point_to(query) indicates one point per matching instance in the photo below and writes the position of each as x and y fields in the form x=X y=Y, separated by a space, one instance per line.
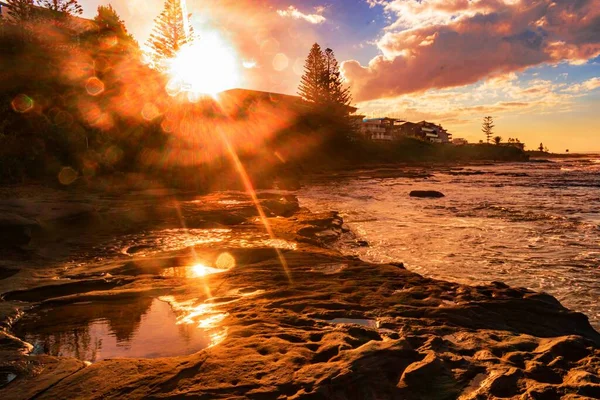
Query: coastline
x=422 y=337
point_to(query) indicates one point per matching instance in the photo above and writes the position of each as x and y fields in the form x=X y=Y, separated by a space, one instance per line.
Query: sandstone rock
x=15 y=230
x=430 y=376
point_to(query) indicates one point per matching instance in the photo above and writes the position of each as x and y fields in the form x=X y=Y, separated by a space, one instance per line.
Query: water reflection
x=369 y=323
x=177 y=239
x=194 y=271
x=224 y=262
x=146 y=328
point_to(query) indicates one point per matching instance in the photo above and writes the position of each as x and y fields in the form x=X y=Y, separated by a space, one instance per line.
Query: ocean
x=533 y=225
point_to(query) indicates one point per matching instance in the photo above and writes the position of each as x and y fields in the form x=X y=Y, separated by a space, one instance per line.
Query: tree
x=497 y=140
x=322 y=86
x=112 y=27
x=108 y=20
x=311 y=84
x=488 y=127
x=541 y=147
x=169 y=34
x=67 y=7
x=335 y=91
x=20 y=11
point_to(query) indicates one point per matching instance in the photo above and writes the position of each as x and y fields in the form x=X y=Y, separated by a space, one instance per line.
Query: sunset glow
x=206 y=66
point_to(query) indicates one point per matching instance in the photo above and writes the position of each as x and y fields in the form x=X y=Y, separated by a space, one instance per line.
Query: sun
x=206 y=66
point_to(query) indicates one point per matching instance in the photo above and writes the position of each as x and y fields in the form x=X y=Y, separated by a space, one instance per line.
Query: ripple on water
x=146 y=328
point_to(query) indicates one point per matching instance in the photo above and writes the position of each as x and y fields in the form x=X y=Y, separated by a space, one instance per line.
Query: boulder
x=15 y=230
x=431 y=194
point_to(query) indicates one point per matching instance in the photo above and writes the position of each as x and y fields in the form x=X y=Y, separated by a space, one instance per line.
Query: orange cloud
x=458 y=43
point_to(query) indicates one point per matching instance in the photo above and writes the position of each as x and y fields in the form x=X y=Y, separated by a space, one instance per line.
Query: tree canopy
x=112 y=30
x=169 y=34
x=20 y=11
x=322 y=82
x=68 y=7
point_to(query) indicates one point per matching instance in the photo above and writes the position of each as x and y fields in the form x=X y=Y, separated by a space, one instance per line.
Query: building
x=460 y=142
x=424 y=130
x=518 y=145
x=243 y=100
x=385 y=129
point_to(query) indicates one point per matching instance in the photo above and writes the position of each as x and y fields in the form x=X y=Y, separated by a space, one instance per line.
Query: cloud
x=586 y=86
x=500 y=96
x=448 y=43
x=293 y=12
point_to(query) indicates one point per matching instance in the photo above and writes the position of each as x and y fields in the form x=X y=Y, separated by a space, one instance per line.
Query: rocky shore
x=284 y=314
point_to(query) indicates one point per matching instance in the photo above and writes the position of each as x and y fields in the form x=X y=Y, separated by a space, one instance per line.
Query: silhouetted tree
x=169 y=34
x=20 y=11
x=311 y=87
x=488 y=127
x=335 y=90
x=323 y=87
x=68 y=7
x=322 y=82
x=112 y=30
x=497 y=140
x=541 y=147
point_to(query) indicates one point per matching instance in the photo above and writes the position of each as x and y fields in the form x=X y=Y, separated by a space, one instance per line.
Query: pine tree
x=112 y=27
x=335 y=91
x=169 y=34
x=311 y=84
x=488 y=127
x=67 y=7
x=20 y=11
x=108 y=20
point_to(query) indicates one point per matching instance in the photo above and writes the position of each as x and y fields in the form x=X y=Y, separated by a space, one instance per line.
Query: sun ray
x=247 y=182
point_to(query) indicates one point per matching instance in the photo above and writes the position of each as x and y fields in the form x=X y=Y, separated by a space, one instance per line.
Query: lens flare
x=22 y=103
x=208 y=65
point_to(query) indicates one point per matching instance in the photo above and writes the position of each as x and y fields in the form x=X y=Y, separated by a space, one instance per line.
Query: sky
x=534 y=65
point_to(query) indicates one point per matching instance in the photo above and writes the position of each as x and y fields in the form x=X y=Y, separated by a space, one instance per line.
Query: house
x=460 y=142
x=425 y=130
x=385 y=129
x=518 y=145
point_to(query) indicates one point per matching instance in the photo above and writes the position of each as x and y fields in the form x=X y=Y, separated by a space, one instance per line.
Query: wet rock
x=506 y=384
x=284 y=206
x=541 y=373
x=430 y=376
x=429 y=194
x=15 y=230
x=53 y=291
x=6 y=273
x=571 y=348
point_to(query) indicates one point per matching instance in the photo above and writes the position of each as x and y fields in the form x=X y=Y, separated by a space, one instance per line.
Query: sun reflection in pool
x=195 y=271
x=201 y=270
